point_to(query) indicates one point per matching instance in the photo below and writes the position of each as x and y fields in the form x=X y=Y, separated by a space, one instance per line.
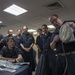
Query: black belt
x=67 y=53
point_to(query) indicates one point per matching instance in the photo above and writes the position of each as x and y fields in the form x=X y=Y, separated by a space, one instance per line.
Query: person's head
x=25 y=29
x=19 y=31
x=56 y=21
x=10 y=42
x=44 y=28
x=10 y=32
x=39 y=30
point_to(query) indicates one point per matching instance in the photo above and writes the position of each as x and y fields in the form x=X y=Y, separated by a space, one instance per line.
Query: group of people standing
x=55 y=56
x=18 y=48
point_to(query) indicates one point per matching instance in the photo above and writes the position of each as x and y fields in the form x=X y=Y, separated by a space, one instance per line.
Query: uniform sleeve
x=32 y=39
x=2 y=51
x=21 y=39
x=37 y=40
x=18 y=50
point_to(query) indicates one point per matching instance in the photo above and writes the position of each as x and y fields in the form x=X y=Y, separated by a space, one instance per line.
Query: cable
x=66 y=60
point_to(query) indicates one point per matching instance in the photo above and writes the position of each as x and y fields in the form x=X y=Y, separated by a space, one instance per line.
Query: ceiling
x=37 y=14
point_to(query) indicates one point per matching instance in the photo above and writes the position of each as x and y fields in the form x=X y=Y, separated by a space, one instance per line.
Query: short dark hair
x=11 y=38
x=44 y=25
x=19 y=29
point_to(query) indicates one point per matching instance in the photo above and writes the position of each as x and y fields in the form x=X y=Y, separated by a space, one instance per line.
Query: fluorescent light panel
x=0 y=22
x=15 y=10
x=50 y=26
x=31 y=30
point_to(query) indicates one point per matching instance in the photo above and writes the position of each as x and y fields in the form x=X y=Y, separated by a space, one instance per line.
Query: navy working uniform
x=6 y=52
x=46 y=66
x=18 y=41
x=48 y=53
x=39 y=42
x=27 y=39
x=65 y=60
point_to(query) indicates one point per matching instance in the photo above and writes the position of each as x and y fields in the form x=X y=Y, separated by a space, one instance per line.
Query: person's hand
x=1 y=40
x=72 y=25
x=11 y=60
x=56 y=38
x=27 y=49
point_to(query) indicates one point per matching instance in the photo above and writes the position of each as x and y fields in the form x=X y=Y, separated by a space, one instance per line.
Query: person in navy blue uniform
x=18 y=38
x=27 y=42
x=9 y=34
x=47 y=51
x=10 y=52
x=46 y=65
x=65 y=61
x=39 y=42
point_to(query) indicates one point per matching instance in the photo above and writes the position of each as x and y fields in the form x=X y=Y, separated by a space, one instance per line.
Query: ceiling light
x=34 y=33
x=15 y=10
x=31 y=30
x=50 y=26
x=0 y=22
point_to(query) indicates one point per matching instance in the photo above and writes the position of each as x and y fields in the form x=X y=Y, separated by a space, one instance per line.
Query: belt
x=67 y=53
